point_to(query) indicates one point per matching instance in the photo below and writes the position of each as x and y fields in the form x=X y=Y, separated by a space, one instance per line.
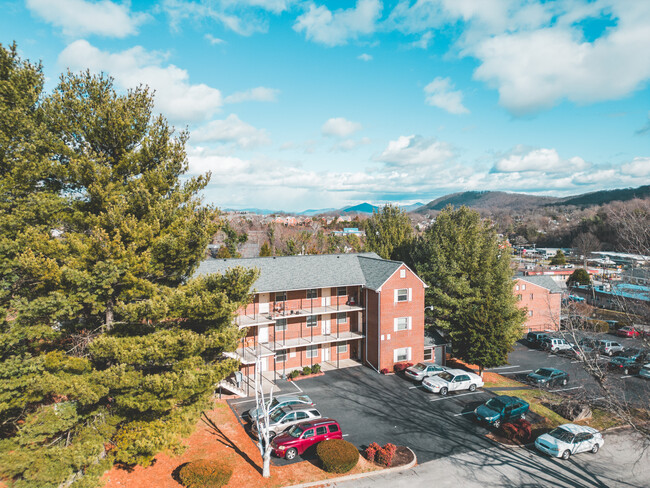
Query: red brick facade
x=542 y=306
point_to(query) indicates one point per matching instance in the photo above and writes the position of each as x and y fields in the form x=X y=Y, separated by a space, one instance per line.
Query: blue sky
x=304 y=104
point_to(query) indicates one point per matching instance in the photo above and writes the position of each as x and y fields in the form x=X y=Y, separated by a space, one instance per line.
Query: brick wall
x=543 y=307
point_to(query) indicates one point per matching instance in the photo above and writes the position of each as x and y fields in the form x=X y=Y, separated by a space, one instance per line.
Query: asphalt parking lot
x=375 y=408
x=524 y=359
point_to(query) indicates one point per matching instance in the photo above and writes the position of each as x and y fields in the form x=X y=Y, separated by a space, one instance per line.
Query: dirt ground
x=220 y=436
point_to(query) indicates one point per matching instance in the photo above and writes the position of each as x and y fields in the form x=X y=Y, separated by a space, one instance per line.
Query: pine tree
x=470 y=287
x=389 y=233
x=106 y=340
x=559 y=258
x=265 y=250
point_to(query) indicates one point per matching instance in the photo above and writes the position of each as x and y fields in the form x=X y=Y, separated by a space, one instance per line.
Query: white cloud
x=350 y=144
x=637 y=167
x=539 y=160
x=424 y=41
x=176 y=97
x=259 y=94
x=80 y=18
x=416 y=150
x=440 y=93
x=364 y=57
x=336 y=28
x=231 y=129
x=213 y=40
x=340 y=127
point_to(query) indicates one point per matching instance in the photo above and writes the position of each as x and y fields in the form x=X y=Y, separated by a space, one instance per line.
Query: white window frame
x=428 y=350
x=342 y=320
x=407 y=297
x=314 y=319
x=523 y=287
x=517 y=287
x=312 y=291
x=279 y=295
x=281 y=356
x=344 y=346
x=402 y=354
x=405 y=325
x=312 y=351
x=530 y=313
x=402 y=273
x=281 y=325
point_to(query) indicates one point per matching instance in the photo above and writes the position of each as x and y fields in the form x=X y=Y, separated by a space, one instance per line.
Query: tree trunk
x=109 y=315
x=266 y=469
x=480 y=371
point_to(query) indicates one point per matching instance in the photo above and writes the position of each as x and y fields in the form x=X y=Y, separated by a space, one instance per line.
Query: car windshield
x=295 y=431
x=277 y=415
x=495 y=404
x=544 y=372
x=630 y=353
x=420 y=367
x=446 y=376
x=561 y=434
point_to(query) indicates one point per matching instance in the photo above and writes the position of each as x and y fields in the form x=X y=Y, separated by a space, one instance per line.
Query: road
x=622 y=462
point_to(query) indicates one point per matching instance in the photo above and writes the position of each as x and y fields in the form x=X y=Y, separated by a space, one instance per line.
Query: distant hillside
x=499 y=200
x=605 y=196
x=487 y=200
x=361 y=208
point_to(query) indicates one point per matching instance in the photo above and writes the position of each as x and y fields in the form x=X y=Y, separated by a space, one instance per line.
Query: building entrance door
x=326 y=352
x=326 y=299
x=264 y=302
x=263 y=334
x=326 y=327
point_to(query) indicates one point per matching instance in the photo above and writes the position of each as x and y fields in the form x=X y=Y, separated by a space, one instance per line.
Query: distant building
x=542 y=298
x=348 y=231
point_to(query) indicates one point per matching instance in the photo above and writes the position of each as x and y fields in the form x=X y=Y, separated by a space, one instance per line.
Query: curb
x=351 y=477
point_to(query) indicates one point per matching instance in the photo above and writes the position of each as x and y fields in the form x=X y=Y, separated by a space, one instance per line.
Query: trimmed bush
x=306 y=370
x=315 y=368
x=294 y=373
x=385 y=371
x=385 y=455
x=337 y=455
x=371 y=451
x=520 y=430
x=205 y=473
x=599 y=326
x=399 y=367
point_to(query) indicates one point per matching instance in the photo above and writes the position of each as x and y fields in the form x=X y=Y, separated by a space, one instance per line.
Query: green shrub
x=337 y=455
x=294 y=373
x=205 y=473
x=599 y=326
x=315 y=368
x=306 y=370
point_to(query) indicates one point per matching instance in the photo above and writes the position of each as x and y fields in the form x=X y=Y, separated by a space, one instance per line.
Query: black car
x=535 y=339
x=630 y=361
x=548 y=377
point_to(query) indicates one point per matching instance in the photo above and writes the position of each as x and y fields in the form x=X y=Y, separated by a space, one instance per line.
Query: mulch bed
x=303 y=377
x=403 y=456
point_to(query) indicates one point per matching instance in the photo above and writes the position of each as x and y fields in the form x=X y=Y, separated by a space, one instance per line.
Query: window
x=313 y=293
x=341 y=318
x=403 y=354
x=517 y=287
x=309 y=433
x=402 y=273
x=341 y=290
x=334 y=428
x=519 y=297
x=312 y=351
x=402 y=323
x=302 y=415
x=402 y=295
x=281 y=296
x=281 y=325
x=531 y=296
x=312 y=321
x=281 y=356
x=321 y=430
x=428 y=354
x=342 y=348
x=530 y=313
x=289 y=418
x=523 y=287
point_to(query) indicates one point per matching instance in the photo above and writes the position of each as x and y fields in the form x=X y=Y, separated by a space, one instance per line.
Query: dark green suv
x=501 y=409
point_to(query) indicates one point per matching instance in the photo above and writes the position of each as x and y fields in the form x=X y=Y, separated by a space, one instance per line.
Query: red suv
x=302 y=436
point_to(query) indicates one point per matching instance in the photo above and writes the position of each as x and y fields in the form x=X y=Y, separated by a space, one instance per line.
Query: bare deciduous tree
x=262 y=420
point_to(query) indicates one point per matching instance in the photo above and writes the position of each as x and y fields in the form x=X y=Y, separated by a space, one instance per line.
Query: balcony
x=321 y=310
x=313 y=340
x=249 y=355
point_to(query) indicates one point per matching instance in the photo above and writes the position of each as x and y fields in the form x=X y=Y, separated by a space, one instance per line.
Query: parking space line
x=413 y=387
x=502 y=367
x=243 y=401
x=515 y=372
x=294 y=384
x=456 y=396
x=627 y=376
x=574 y=362
x=566 y=389
x=463 y=413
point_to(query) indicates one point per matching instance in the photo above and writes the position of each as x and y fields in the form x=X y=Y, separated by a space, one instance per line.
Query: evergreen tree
x=105 y=339
x=389 y=233
x=559 y=258
x=579 y=277
x=470 y=287
x=265 y=250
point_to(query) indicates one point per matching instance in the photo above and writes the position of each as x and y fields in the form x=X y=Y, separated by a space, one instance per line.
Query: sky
x=295 y=105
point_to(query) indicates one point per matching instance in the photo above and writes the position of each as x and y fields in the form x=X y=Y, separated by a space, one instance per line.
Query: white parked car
x=570 y=439
x=422 y=370
x=554 y=344
x=645 y=371
x=452 y=380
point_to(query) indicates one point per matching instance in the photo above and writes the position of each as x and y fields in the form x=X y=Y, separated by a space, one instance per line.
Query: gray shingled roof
x=545 y=282
x=283 y=273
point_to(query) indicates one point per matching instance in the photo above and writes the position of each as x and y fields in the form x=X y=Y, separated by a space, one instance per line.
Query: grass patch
x=535 y=399
x=601 y=420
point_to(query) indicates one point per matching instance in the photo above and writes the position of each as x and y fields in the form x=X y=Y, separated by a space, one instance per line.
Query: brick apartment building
x=327 y=308
x=542 y=296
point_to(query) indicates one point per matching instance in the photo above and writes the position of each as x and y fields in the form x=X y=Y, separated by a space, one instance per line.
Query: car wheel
x=626 y=371
x=292 y=453
x=444 y=391
x=472 y=387
x=497 y=423
x=566 y=454
x=564 y=382
x=595 y=448
x=610 y=354
x=522 y=416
